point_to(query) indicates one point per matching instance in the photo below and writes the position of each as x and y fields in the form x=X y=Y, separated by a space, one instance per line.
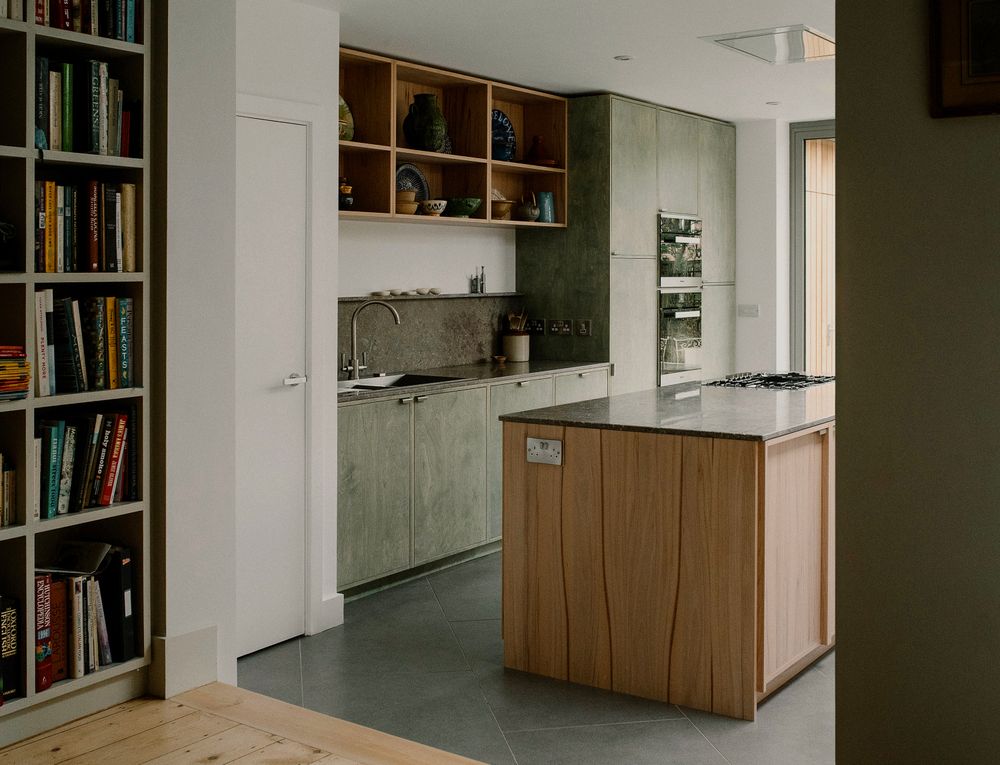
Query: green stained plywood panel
x=564 y=274
x=373 y=490
x=677 y=161
x=633 y=179
x=449 y=473
x=504 y=399
x=634 y=324
x=717 y=200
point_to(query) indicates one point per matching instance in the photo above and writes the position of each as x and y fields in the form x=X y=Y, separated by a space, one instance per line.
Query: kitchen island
x=682 y=547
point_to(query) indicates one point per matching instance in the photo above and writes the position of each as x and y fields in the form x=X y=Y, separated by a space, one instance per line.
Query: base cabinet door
x=504 y=399
x=633 y=324
x=580 y=386
x=449 y=473
x=373 y=490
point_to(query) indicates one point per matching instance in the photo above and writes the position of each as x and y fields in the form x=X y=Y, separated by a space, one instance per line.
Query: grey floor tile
x=394 y=631
x=523 y=701
x=668 y=741
x=274 y=672
x=445 y=709
x=828 y=664
x=470 y=590
x=795 y=725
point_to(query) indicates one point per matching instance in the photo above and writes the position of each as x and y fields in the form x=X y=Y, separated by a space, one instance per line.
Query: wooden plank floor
x=218 y=724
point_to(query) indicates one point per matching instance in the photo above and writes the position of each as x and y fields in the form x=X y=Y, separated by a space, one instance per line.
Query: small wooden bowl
x=500 y=208
x=406 y=196
x=406 y=208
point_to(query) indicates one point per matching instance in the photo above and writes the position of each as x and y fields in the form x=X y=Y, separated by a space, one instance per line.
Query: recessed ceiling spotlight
x=623 y=57
x=781 y=45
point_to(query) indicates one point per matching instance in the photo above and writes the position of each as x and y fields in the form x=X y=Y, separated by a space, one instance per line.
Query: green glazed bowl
x=462 y=207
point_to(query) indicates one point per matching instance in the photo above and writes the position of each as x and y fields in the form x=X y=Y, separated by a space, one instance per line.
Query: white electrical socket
x=545 y=450
x=749 y=310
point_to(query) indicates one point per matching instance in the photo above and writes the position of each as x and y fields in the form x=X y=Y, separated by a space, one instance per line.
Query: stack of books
x=15 y=373
x=90 y=461
x=117 y=19
x=82 y=344
x=85 y=611
x=86 y=227
x=93 y=116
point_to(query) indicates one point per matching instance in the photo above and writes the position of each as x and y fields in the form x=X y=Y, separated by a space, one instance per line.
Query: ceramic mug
x=546 y=207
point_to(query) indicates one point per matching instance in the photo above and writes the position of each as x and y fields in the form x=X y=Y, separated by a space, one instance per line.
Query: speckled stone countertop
x=470 y=374
x=751 y=414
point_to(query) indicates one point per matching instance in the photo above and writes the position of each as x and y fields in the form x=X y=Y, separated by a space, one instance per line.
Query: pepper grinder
x=482 y=280
x=474 y=279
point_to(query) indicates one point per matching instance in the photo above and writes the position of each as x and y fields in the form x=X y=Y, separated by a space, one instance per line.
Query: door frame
x=799 y=133
x=324 y=605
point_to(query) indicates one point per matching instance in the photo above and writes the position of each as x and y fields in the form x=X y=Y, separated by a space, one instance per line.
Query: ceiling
x=568 y=47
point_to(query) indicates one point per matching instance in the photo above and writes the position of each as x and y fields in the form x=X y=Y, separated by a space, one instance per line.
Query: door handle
x=294 y=379
x=420 y=398
x=523 y=383
x=584 y=374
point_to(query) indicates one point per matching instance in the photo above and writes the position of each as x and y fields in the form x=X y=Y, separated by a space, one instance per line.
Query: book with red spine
x=60 y=629
x=93 y=242
x=114 y=459
x=43 y=632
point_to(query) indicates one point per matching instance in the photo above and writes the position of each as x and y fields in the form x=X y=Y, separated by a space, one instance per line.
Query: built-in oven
x=680 y=334
x=679 y=298
x=679 y=238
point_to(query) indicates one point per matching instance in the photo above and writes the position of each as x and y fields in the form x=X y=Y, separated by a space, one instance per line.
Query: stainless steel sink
x=391 y=381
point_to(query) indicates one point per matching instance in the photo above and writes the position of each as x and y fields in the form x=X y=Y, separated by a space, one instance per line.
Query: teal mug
x=546 y=207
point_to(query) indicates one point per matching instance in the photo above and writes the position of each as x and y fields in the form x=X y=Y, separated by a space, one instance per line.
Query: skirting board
x=183 y=662
x=329 y=614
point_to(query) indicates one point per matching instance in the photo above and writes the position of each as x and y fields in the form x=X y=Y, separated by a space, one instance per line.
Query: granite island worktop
x=752 y=414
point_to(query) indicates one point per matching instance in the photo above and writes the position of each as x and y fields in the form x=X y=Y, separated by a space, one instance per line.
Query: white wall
x=287 y=51
x=194 y=642
x=918 y=405
x=762 y=244
x=281 y=49
x=378 y=256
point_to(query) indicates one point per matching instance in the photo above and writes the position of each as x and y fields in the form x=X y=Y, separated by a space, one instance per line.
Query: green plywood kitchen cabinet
x=581 y=386
x=717 y=200
x=449 y=473
x=718 y=340
x=504 y=399
x=677 y=137
x=373 y=490
x=633 y=179
x=633 y=302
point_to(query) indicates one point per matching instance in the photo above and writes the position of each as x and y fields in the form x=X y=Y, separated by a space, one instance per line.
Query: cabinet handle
x=584 y=374
x=420 y=398
x=523 y=383
x=406 y=400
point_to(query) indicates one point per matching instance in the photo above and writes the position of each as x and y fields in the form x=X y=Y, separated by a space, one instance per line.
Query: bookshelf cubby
x=28 y=541
x=379 y=90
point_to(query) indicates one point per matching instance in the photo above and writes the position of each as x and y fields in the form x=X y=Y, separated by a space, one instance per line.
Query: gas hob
x=771 y=380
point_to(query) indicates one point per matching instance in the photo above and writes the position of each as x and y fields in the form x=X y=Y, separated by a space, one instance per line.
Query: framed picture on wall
x=965 y=64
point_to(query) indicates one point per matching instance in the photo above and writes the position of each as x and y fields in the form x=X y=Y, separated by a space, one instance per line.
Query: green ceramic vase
x=425 y=126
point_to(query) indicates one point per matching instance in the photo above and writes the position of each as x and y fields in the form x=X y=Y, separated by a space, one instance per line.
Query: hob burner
x=773 y=380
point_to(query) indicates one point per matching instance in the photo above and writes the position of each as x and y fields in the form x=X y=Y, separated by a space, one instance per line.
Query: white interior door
x=271 y=250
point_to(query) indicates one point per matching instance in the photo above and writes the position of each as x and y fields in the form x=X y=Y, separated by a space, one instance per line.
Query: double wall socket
x=560 y=326
x=535 y=326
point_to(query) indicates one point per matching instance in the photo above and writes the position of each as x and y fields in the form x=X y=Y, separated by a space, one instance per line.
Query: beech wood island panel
x=666 y=559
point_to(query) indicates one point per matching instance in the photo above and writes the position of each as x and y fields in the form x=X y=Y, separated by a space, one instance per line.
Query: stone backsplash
x=434 y=331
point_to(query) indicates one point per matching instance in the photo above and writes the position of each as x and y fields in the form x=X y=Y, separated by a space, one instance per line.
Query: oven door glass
x=679 y=251
x=680 y=335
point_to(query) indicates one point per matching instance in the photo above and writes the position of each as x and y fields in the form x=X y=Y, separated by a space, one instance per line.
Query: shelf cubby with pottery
x=379 y=92
x=30 y=539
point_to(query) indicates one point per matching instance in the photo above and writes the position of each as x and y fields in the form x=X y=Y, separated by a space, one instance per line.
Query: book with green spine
x=67 y=107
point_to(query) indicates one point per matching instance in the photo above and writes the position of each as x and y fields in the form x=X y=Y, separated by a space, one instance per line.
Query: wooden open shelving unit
x=29 y=540
x=379 y=91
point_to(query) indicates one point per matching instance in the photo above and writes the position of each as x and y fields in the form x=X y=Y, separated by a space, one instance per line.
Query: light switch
x=544 y=450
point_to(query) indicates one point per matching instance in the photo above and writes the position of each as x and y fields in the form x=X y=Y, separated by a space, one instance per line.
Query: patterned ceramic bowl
x=433 y=206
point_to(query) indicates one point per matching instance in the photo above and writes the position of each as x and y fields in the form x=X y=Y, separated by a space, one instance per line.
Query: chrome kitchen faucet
x=355 y=365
